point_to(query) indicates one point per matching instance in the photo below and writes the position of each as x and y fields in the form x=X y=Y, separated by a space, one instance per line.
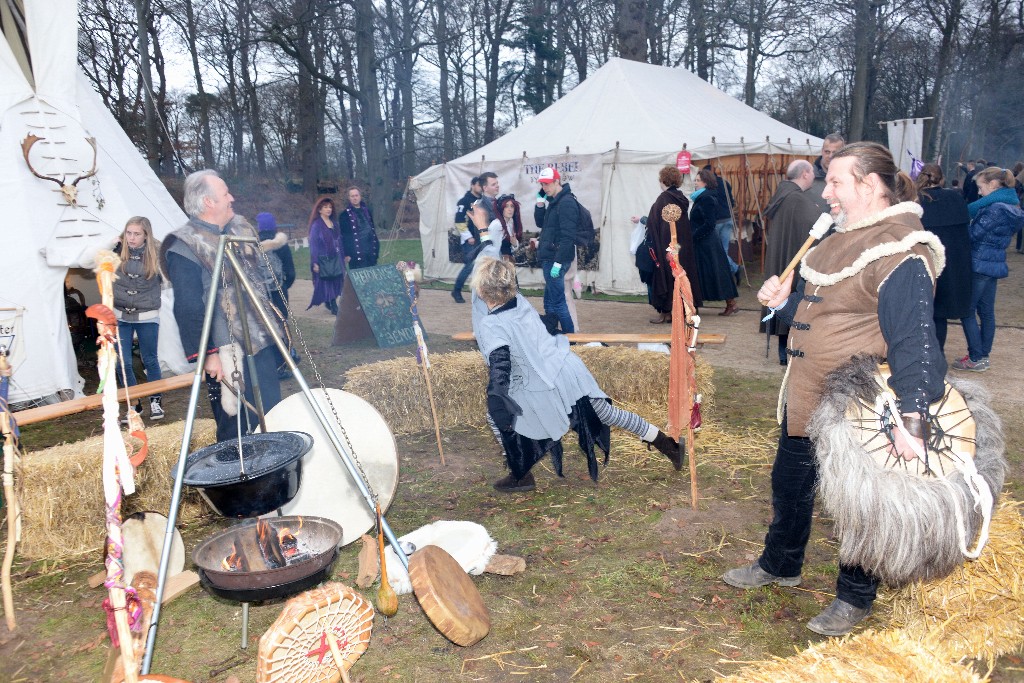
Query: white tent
x=43 y=93
x=608 y=138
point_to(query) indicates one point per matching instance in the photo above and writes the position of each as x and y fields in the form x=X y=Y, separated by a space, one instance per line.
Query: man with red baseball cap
x=557 y=215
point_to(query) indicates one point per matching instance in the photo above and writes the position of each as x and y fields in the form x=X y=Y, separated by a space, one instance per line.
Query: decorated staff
x=117 y=471
x=9 y=430
x=683 y=399
x=422 y=359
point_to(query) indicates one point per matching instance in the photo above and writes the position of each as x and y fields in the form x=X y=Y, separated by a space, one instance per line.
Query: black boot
x=332 y=306
x=669 y=448
x=510 y=484
x=457 y=295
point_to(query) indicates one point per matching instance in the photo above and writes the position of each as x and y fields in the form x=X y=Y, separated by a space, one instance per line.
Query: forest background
x=314 y=94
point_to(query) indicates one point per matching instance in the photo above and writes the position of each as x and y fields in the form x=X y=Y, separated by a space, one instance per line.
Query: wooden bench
x=620 y=338
x=80 y=405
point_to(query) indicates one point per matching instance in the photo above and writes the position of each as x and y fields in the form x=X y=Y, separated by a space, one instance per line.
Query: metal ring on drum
x=327 y=489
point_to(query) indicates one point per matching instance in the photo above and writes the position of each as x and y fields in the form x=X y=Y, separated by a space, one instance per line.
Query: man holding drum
x=868 y=290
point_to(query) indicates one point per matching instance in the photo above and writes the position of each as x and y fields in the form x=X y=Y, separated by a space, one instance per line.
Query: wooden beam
x=620 y=338
x=80 y=405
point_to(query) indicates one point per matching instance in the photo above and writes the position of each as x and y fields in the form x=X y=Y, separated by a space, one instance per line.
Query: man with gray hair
x=833 y=143
x=187 y=257
x=791 y=212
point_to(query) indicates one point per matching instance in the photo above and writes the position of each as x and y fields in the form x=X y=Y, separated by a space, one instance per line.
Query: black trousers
x=267 y=362
x=794 y=475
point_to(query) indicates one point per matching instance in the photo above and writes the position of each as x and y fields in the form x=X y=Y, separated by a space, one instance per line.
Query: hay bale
x=978 y=610
x=636 y=380
x=62 y=491
x=867 y=657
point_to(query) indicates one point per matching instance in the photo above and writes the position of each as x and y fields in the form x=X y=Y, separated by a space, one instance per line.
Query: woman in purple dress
x=325 y=242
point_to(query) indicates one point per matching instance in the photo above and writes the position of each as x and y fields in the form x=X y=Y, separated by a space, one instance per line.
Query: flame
x=232 y=562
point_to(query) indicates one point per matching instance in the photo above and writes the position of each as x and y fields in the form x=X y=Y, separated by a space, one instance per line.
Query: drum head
x=952 y=438
x=448 y=596
x=143 y=537
x=327 y=489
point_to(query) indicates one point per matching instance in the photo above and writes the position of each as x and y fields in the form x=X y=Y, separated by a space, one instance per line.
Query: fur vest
x=136 y=297
x=838 y=315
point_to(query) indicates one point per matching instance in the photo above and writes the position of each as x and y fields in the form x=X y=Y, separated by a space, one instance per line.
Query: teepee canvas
x=56 y=134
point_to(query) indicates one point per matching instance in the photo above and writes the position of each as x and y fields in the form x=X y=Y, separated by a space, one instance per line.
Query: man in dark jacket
x=833 y=143
x=557 y=215
x=970 y=184
x=469 y=235
x=791 y=212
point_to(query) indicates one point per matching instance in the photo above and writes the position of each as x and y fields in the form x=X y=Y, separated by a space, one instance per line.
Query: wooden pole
x=11 y=501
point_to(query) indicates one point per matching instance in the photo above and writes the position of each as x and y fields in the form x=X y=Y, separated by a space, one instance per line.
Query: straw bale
x=978 y=610
x=62 y=491
x=867 y=657
x=636 y=380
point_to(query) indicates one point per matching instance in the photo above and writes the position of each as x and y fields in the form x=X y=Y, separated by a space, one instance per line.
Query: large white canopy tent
x=43 y=93
x=609 y=137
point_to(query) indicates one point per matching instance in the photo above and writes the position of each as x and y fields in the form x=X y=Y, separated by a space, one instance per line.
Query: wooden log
x=80 y=405
x=620 y=338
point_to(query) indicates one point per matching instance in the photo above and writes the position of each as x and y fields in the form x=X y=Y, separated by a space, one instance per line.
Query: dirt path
x=745 y=347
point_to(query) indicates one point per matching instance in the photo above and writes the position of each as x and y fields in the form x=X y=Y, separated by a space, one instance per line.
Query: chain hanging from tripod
x=289 y=316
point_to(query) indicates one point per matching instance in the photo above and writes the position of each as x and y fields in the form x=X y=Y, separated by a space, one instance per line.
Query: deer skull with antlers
x=69 y=190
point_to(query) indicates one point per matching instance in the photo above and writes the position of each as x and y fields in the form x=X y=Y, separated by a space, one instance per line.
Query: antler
x=69 y=190
x=26 y=145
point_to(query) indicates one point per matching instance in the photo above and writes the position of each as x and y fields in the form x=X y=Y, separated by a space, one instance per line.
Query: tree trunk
x=631 y=29
x=191 y=39
x=865 y=26
x=369 y=103
x=152 y=143
x=447 y=127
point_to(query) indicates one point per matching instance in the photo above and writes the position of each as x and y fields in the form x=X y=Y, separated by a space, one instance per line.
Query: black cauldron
x=272 y=470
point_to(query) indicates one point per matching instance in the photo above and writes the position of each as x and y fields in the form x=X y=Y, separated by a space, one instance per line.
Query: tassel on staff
x=683 y=400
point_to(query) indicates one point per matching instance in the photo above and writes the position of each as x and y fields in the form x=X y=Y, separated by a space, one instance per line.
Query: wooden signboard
x=374 y=301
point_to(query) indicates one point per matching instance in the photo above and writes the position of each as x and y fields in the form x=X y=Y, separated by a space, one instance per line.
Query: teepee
x=55 y=134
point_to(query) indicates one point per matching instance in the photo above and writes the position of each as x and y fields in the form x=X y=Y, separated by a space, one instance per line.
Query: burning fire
x=273 y=548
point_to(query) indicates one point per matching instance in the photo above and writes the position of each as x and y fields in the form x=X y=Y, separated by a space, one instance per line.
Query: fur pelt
x=898 y=526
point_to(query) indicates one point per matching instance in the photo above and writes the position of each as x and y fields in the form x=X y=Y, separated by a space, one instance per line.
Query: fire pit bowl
x=273 y=467
x=315 y=547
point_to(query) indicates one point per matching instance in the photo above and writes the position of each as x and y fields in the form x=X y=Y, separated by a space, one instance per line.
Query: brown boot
x=669 y=447
x=730 y=307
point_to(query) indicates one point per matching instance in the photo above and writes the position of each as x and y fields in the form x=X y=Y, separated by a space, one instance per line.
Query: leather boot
x=838 y=619
x=669 y=447
x=510 y=484
x=730 y=307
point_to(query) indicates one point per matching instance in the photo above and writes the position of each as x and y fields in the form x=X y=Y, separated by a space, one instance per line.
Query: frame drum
x=326 y=488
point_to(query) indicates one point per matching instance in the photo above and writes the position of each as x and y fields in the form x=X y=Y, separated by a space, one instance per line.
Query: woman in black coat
x=659 y=236
x=713 y=272
x=945 y=215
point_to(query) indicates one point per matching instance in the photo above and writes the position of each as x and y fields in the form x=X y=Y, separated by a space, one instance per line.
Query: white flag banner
x=906 y=137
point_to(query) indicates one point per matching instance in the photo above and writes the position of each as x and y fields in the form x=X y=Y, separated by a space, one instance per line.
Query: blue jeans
x=794 y=475
x=983 y=306
x=554 y=296
x=724 y=230
x=468 y=258
x=148 y=334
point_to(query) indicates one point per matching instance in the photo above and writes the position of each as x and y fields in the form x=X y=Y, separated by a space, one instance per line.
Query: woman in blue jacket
x=995 y=219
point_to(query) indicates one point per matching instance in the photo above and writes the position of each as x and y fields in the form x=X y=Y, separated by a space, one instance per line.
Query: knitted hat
x=265 y=223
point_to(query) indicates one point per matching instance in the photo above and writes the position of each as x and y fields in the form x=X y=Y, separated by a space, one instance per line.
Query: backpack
x=586 y=233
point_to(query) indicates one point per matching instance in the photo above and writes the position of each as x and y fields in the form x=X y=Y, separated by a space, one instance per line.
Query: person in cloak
x=187 y=257
x=791 y=212
x=538 y=389
x=866 y=290
x=659 y=236
x=358 y=232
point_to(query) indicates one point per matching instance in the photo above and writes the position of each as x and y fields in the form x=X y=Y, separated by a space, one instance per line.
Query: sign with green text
x=375 y=300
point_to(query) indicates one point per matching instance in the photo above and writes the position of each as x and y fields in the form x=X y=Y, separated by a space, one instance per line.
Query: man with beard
x=833 y=143
x=792 y=211
x=867 y=290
